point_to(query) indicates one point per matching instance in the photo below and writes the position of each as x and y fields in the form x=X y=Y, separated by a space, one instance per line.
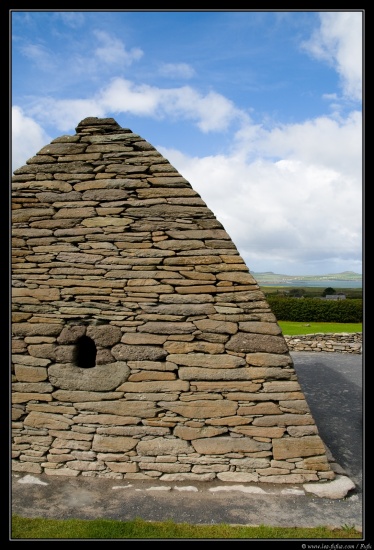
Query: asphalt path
x=333 y=387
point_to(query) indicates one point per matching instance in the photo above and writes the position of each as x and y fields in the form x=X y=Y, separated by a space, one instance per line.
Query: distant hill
x=275 y=279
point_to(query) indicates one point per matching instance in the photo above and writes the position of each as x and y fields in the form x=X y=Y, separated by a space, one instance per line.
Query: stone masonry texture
x=332 y=342
x=142 y=346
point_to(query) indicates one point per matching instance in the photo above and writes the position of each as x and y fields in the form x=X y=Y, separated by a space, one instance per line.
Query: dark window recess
x=85 y=353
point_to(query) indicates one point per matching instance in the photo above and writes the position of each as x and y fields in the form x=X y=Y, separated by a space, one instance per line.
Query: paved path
x=332 y=385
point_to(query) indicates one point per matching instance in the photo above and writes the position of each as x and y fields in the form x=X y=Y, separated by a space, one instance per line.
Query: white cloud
x=106 y=55
x=113 y=51
x=27 y=138
x=339 y=42
x=211 y=112
x=177 y=70
x=122 y=96
x=323 y=141
x=40 y=56
x=302 y=210
x=65 y=113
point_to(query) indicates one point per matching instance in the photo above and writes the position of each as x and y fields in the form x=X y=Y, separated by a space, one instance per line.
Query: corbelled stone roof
x=142 y=345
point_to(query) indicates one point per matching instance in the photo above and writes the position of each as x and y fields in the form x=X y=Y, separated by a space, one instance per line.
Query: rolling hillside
x=275 y=279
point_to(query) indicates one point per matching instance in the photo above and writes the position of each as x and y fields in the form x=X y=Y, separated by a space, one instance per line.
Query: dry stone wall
x=331 y=342
x=142 y=347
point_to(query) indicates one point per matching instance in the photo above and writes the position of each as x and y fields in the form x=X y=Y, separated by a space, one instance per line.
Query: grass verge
x=290 y=328
x=39 y=528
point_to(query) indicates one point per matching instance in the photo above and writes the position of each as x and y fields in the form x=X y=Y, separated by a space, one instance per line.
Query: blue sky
x=260 y=110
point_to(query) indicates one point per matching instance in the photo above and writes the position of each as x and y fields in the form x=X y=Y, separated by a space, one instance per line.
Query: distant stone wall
x=331 y=342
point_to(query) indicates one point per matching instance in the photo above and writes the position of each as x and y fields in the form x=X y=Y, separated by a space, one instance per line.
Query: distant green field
x=290 y=328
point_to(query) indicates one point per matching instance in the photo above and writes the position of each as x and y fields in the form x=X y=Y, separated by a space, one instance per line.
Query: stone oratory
x=142 y=346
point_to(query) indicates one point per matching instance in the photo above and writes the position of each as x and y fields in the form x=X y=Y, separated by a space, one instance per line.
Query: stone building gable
x=142 y=346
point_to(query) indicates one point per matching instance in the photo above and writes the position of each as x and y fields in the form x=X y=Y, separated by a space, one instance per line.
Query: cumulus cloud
x=64 y=114
x=122 y=96
x=300 y=210
x=323 y=141
x=27 y=137
x=113 y=51
x=211 y=112
x=338 y=41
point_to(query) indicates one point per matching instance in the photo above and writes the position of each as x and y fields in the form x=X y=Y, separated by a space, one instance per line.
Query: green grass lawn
x=39 y=528
x=290 y=328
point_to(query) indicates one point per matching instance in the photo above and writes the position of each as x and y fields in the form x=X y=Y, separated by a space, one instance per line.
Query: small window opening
x=85 y=353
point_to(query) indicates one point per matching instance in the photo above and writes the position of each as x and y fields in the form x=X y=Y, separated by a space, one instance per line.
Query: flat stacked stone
x=192 y=378
x=343 y=342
